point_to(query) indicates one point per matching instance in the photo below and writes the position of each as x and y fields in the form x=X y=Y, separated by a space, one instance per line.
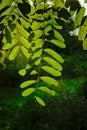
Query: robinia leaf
x=14 y=53
x=25 y=52
x=22 y=72
x=58 y=43
x=40 y=101
x=49 y=80
x=27 y=83
x=24 y=42
x=47 y=90
x=53 y=63
x=10 y=45
x=54 y=54
x=79 y=16
x=51 y=71
x=27 y=92
x=58 y=36
x=85 y=44
x=82 y=31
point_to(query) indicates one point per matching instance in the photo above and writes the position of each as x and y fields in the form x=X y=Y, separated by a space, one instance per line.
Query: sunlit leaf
x=5 y=3
x=79 y=16
x=40 y=101
x=24 y=23
x=22 y=72
x=54 y=54
x=25 y=52
x=58 y=36
x=23 y=31
x=27 y=83
x=24 y=42
x=51 y=71
x=33 y=72
x=14 y=53
x=27 y=92
x=7 y=46
x=58 y=43
x=35 y=25
x=37 y=54
x=7 y=11
x=82 y=31
x=49 y=80
x=38 y=34
x=53 y=63
x=47 y=29
x=47 y=90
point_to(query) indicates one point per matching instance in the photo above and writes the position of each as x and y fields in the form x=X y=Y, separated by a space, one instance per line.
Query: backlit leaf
x=82 y=31
x=14 y=53
x=51 y=71
x=40 y=101
x=58 y=43
x=25 y=52
x=79 y=16
x=49 y=80
x=53 y=63
x=58 y=36
x=24 y=42
x=10 y=45
x=47 y=90
x=27 y=92
x=27 y=83
x=54 y=54
x=22 y=72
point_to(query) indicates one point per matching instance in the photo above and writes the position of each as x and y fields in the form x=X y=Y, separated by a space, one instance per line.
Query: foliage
x=32 y=33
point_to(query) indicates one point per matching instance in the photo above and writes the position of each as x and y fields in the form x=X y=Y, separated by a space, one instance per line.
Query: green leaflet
x=27 y=92
x=38 y=61
x=33 y=72
x=28 y=67
x=24 y=42
x=83 y=31
x=58 y=43
x=25 y=52
x=58 y=36
x=14 y=52
x=47 y=90
x=47 y=29
x=53 y=63
x=25 y=24
x=8 y=35
x=40 y=101
x=51 y=71
x=37 y=54
x=54 y=54
x=79 y=17
x=22 y=72
x=59 y=3
x=27 y=83
x=5 y=3
x=7 y=12
x=7 y=46
x=38 y=34
x=23 y=31
x=49 y=80
x=85 y=44
x=38 y=44
x=35 y=25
